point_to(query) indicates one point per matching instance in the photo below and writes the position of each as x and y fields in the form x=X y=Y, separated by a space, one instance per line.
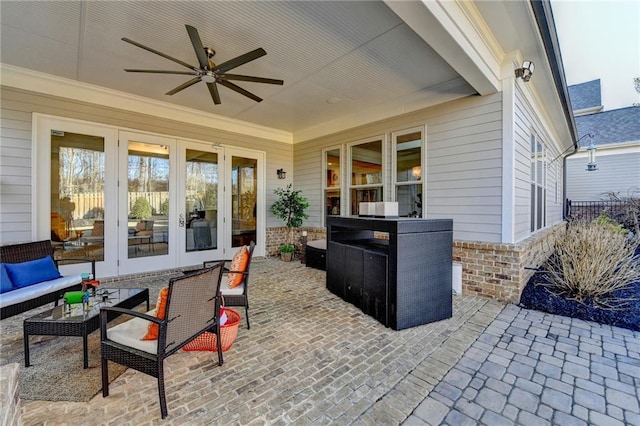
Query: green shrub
x=605 y=221
x=592 y=260
x=141 y=209
x=287 y=248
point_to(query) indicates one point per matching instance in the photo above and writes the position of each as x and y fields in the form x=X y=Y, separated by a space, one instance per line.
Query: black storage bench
x=316 y=254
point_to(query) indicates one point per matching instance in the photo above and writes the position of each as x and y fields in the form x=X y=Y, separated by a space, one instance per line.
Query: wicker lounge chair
x=239 y=295
x=192 y=307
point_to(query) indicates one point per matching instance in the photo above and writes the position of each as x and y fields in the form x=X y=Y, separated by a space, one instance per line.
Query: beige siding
x=526 y=122
x=464 y=161
x=616 y=173
x=15 y=145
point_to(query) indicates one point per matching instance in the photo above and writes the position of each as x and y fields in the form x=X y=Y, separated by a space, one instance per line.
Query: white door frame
x=41 y=182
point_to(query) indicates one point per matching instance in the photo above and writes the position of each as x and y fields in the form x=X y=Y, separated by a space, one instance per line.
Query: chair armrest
x=122 y=311
x=78 y=260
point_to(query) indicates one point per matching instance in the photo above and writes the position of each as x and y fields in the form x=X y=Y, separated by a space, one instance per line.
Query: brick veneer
x=488 y=269
x=498 y=270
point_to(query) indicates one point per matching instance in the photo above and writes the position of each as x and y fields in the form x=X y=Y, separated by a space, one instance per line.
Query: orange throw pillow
x=239 y=263
x=161 y=311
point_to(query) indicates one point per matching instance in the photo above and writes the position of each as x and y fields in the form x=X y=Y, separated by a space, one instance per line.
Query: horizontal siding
x=525 y=121
x=464 y=161
x=15 y=149
x=616 y=173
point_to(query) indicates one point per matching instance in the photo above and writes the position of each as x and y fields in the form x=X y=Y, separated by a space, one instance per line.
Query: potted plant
x=290 y=207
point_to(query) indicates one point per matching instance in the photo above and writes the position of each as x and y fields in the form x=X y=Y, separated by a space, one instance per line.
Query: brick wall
x=498 y=270
x=488 y=269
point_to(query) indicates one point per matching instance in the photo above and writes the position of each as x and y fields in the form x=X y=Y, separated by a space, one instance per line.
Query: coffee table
x=55 y=322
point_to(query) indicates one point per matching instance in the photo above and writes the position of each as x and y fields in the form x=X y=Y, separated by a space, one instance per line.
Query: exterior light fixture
x=591 y=155
x=526 y=71
x=282 y=174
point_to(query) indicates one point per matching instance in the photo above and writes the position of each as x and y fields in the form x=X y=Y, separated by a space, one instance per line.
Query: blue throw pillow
x=5 y=281
x=32 y=272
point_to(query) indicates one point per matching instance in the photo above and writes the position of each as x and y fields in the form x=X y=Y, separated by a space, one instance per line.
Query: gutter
x=547 y=28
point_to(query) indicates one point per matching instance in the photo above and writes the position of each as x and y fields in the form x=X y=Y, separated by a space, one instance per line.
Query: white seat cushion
x=226 y=291
x=131 y=332
x=30 y=292
x=318 y=244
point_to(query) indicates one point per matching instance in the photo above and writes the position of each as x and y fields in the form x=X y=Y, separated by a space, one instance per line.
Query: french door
x=139 y=202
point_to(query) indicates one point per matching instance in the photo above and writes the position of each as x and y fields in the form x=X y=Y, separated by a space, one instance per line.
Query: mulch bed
x=542 y=298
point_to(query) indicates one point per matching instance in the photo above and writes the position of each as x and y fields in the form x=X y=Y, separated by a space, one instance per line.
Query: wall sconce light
x=591 y=155
x=526 y=71
x=282 y=174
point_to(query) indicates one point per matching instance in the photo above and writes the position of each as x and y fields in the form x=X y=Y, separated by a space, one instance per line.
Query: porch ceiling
x=360 y=54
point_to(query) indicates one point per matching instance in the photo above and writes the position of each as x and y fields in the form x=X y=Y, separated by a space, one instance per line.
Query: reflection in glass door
x=199 y=206
x=77 y=195
x=145 y=232
x=244 y=201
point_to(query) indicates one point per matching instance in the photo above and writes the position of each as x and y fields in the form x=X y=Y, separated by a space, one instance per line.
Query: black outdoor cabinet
x=402 y=281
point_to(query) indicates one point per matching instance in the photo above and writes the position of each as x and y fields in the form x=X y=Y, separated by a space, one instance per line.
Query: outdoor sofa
x=29 y=277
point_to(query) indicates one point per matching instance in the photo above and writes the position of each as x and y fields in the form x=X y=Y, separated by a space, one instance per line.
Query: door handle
x=181 y=220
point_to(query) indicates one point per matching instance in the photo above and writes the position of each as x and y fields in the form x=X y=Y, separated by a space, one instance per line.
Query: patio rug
x=56 y=372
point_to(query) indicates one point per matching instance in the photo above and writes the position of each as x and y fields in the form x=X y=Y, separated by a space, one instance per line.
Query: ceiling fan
x=208 y=71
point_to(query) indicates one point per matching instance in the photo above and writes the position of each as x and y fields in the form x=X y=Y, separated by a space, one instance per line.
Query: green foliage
x=290 y=207
x=141 y=209
x=164 y=207
x=287 y=248
x=605 y=221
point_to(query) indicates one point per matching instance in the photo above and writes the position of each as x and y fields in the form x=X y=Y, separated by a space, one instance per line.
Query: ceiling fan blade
x=240 y=90
x=250 y=78
x=240 y=60
x=213 y=89
x=177 y=61
x=163 y=72
x=197 y=46
x=184 y=86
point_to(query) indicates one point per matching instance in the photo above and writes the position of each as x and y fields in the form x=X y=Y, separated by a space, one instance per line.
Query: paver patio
x=311 y=358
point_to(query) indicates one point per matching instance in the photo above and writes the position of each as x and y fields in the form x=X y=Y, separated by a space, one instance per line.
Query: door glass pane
x=201 y=183
x=148 y=200
x=244 y=192
x=77 y=195
x=333 y=202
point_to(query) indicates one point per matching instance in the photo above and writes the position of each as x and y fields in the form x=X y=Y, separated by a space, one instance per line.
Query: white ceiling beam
x=456 y=32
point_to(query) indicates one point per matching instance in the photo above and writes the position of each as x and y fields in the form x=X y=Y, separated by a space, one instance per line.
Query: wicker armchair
x=239 y=295
x=193 y=306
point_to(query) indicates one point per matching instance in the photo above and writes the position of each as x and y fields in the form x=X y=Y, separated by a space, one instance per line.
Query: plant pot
x=286 y=256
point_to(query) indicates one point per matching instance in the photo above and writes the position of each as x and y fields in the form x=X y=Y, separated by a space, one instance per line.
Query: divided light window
x=366 y=182
x=538 y=184
x=331 y=187
x=408 y=171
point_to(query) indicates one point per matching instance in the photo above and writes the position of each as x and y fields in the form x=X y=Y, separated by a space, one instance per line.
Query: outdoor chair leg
x=163 y=398
x=105 y=377
x=246 y=311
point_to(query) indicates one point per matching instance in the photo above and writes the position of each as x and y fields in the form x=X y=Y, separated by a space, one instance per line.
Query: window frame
x=339 y=187
x=394 y=163
x=348 y=185
x=538 y=154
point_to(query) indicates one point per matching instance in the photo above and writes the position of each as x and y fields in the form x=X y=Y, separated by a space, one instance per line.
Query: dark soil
x=542 y=298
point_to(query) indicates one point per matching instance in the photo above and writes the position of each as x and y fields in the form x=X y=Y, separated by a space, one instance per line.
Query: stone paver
x=568 y=372
x=311 y=358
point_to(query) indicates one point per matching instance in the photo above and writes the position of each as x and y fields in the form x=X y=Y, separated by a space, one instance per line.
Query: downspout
x=546 y=25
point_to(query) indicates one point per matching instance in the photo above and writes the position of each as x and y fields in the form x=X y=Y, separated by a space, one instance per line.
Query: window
x=408 y=171
x=331 y=187
x=538 y=182
x=366 y=159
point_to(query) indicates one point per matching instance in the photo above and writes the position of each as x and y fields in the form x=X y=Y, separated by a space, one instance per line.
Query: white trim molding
x=25 y=79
